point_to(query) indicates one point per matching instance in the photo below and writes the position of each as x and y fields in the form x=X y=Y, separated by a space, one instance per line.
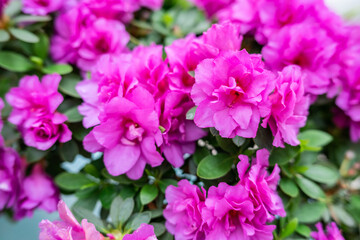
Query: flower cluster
x=90 y=29
x=327 y=55
x=333 y=233
x=69 y=228
x=227 y=212
x=34 y=111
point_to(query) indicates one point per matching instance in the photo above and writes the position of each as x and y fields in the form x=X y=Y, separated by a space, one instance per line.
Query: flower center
x=133 y=134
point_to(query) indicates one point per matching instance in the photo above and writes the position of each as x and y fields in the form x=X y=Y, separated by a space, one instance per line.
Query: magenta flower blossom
x=33 y=98
x=41 y=7
x=144 y=232
x=1 y=122
x=82 y=37
x=231 y=92
x=180 y=135
x=313 y=52
x=34 y=111
x=333 y=233
x=230 y=214
x=102 y=37
x=211 y=7
x=289 y=107
x=68 y=227
x=261 y=185
x=183 y=212
x=184 y=55
x=38 y=191
x=128 y=134
x=10 y=177
x=43 y=132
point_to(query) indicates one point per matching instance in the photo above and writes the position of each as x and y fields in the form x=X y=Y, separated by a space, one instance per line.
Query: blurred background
x=27 y=229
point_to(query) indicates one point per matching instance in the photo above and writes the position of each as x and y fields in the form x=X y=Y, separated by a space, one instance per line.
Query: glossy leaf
x=67 y=86
x=164 y=183
x=15 y=62
x=310 y=188
x=310 y=212
x=24 y=35
x=289 y=187
x=73 y=115
x=191 y=113
x=289 y=228
x=121 y=210
x=61 y=69
x=148 y=193
x=4 y=36
x=213 y=167
x=72 y=181
x=322 y=174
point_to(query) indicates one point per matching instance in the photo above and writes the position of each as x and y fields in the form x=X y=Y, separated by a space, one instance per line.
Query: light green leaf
x=148 y=193
x=191 y=113
x=83 y=213
x=137 y=219
x=67 y=86
x=4 y=36
x=310 y=212
x=121 y=210
x=289 y=228
x=322 y=174
x=15 y=62
x=159 y=228
x=303 y=230
x=344 y=216
x=315 y=139
x=289 y=187
x=213 y=167
x=61 y=69
x=24 y=35
x=72 y=181
x=310 y=188
x=13 y=8
x=31 y=19
x=73 y=115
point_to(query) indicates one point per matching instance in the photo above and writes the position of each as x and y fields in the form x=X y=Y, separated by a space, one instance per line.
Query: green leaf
x=87 y=192
x=106 y=196
x=310 y=212
x=303 y=230
x=282 y=156
x=4 y=36
x=121 y=210
x=67 y=86
x=289 y=187
x=191 y=113
x=164 y=183
x=137 y=219
x=148 y=193
x=13 y=8
x=24 y=35
x=238 y=141
x=227 y=145
x=200 y=154
x=34 y=155
x=92 y=170
x=31 y=19
x=41 y=48
x=344 y=216
x=72 y=181
x=289 y=229
x=159 y=228
x=83 y=213
x=213 y=167
x=310 y=188
x=73 y=115
x=315 y=139
x=322 y=174
x=61 y=69
x=14 y=62
x=68 y=151
x=264 y=138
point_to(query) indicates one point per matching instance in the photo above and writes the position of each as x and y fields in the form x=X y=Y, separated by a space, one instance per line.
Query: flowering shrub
x=231 y=119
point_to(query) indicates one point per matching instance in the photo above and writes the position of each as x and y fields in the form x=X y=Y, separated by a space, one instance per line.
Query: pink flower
x=128 y=134
x=34 y=98
x=183 y=212
x=1 y=122
x=68 y=227
x=313 y=52
x=38 y=191
x=152 y=4
x=180 y=135
x=83 y=36
x=41 y=7
x=185 y=54
x=289 y=107
x=10 y=177
x=261 y=185
x=102 y=37
x=144 y=232
x=34 y=111
x=211 y=7
x=231 y=92
x=42 y=132
x=333 y=233
x=230 y=214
